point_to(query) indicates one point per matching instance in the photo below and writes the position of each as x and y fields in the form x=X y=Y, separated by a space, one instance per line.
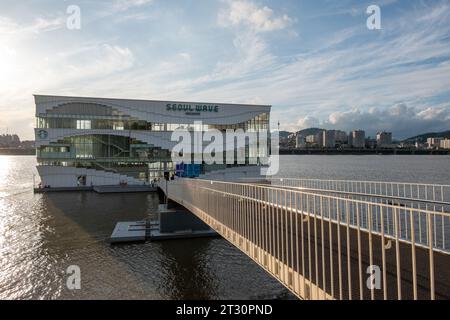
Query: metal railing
x=427 y=194
x=432 y=197
x=322 y=246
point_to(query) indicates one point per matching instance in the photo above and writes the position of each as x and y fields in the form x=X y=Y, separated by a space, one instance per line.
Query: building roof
x=147 y=100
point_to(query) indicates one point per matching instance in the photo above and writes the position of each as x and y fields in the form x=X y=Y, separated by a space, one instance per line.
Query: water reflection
x=187 y=273
x=42 y=234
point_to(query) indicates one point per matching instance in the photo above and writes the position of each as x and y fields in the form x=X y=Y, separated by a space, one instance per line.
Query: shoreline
x=32 y=152
x=362 y=152
x=17 y=152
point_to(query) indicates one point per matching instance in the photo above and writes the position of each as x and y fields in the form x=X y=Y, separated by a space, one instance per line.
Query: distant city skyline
x=371 y=135
x=316 y=62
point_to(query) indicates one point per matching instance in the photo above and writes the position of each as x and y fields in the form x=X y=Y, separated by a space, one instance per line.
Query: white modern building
x=83 y=141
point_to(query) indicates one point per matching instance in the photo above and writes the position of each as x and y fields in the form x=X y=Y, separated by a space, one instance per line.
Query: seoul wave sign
x=186 y=107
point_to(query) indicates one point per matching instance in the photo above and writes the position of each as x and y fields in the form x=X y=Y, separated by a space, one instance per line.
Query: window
x=118 y=126
x=84 y=124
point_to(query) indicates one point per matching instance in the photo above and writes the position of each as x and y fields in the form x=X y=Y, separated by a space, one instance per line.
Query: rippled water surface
x=42 y=234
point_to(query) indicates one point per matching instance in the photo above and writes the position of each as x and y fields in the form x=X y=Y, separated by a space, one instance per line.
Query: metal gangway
x=330 y=239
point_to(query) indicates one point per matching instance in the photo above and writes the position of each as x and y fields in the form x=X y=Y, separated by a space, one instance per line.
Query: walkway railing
x=324 y=246
x=428 y=194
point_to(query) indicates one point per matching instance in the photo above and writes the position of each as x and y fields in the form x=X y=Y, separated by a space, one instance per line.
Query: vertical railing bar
x=278 y=233
x=420 y=217
x=426 y=208
x=339 y=248
x=309 y=238
x=272 y=229
x=235 y=206
x=296 y=242
x=283 y=234
x=397 y=255
x=266 y=225
x=254 y=209
x=260 y=225
x=413 y=254
x=292 y=237
x=323 y=249
x=434 y=216
x=330 y=232
x=316 y=256
x=253 y=222
x=243 y=214
x=369 y=211
x=303 y=246
x=358 y=223
x=349 y=271
x=252 y=219
x=248 y=208
x=431 y=256
x=383 y=254
x=247 y=220
x=443 y=219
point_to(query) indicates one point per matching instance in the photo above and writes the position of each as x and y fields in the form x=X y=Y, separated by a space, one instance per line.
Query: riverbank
x=293 y=151
x=17 y=151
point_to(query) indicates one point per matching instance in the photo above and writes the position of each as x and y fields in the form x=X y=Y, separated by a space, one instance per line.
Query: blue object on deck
x=186 y=170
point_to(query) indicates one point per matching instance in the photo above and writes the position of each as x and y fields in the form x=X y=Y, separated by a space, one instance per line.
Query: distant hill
x=309 y=131
x=423 y=137
x=304 y=132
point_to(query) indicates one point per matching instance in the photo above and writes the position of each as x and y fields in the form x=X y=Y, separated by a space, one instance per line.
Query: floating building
x=84 y=141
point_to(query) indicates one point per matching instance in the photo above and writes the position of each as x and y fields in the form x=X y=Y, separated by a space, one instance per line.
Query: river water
x=41 y=235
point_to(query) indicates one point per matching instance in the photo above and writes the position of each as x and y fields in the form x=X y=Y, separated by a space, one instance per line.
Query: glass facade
x=58 y=121
x=117 y=153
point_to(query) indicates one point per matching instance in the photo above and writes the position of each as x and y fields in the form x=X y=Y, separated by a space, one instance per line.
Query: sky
x=315 y=62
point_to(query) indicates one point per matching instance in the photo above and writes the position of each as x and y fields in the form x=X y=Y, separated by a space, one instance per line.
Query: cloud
x=123 y=5
x=400 y=119
x=99 y=61
x=307 y=122
x=248 y=22
x=10 y=27
x=348 y=77
x=185 y=56
x=248 y=14
x=7 y=26
x=43 y=25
